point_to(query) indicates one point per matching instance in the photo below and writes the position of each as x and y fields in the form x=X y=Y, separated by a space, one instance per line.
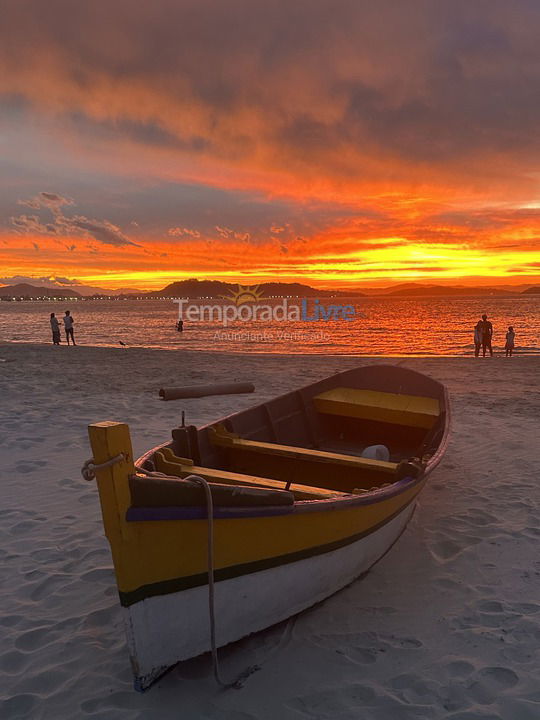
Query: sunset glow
x=336 y=144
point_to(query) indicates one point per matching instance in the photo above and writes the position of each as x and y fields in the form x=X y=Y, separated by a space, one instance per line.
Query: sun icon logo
x=247 y=294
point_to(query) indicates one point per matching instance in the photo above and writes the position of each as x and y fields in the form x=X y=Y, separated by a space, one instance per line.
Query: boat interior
x=351 y=433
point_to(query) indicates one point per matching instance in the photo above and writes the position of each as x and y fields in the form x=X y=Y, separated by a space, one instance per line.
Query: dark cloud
x=47 y=281
x=146 y=133
x=32 y=224
x=100 y=230
x=489 y=217
x=49 y=200
x=428 y=82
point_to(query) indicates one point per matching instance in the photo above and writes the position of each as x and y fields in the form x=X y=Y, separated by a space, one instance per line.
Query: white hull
x=165 y=629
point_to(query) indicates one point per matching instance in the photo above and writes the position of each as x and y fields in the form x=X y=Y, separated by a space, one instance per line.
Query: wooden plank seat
x=167 y=462
x=397 y=409
x=219 y=435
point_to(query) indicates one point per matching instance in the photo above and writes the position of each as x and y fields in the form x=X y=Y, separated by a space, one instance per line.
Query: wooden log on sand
x=197 y=391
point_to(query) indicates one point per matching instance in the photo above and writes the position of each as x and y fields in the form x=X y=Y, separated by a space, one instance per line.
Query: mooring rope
x=88 y=470
x=239 y=681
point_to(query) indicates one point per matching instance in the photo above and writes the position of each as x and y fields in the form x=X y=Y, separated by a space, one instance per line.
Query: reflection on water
x=382 y=326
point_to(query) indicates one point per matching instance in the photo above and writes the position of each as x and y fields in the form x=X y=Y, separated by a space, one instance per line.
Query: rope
x=88 y=470
x=239 y=681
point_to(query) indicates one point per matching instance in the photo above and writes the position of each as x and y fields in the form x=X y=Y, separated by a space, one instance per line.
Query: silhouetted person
x=180 y=326
x=68 y=325
x=486 y=332
x=55 y=327
x=510 y=338
x=477 y=338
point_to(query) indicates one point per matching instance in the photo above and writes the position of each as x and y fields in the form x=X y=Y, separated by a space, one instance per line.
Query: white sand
x=447 y=625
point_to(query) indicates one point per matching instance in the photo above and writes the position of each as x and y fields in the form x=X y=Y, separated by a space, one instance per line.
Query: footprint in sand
x=49 y=586
x=13 y=662
x=486 y=616
x=34 y=639
x=19 y=706
x=364 y=648
x=414 y=689
x=490 y=682
x=334 y=702
x=29 y=466
x=23 y=527
x=68 y=482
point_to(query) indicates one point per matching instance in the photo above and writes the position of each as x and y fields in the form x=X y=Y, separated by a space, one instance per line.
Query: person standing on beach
x=486 y=332
x=510 y=337
x=55 y=327
x=68 y=325
x=477 y=338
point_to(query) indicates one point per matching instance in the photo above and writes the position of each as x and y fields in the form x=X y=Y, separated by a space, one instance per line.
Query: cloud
x=101 y=230
x=47 y=281
x=180 y=232
x=31 y=224
x=49 y=200
x=349 y=90
x=226 y=233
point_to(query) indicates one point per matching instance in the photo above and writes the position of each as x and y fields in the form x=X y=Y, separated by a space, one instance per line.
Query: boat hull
x=164 y=629
x=270 y=561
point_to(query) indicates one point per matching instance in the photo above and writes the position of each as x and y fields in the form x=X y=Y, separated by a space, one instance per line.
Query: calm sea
x=381 y=326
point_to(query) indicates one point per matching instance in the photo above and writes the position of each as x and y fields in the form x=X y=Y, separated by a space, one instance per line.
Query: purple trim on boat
x=299 y=507
x=144 y=514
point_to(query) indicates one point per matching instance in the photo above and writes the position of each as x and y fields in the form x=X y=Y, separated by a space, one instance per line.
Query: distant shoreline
x=359 y=298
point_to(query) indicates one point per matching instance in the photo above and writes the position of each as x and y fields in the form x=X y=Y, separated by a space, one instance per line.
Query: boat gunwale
x=345 y=502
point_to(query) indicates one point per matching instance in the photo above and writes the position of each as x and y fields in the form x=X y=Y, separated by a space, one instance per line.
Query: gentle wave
x=383 y=326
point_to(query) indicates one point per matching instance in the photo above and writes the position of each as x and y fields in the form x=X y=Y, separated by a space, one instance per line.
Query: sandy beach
x=447 y=625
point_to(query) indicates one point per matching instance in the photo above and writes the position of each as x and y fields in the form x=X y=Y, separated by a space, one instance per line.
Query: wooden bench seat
x=167 y=462
x=222 y=437
x=397 y=409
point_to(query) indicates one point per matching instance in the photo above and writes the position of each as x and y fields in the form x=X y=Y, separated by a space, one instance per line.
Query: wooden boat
x=298 y=512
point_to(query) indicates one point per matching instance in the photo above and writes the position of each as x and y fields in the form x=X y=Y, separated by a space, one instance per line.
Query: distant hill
x=24 y=290
x=91 y=291
x=412 y=290
x=535 y=290
x=416 y=288
x=215 y=289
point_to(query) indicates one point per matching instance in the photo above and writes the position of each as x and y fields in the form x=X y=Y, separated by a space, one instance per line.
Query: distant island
x=23 y=291
x=216 y=289
x=415 y=290
x=199 y=289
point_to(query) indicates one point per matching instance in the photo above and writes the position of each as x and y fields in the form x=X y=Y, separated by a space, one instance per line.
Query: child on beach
x=510 y=336
x=55 y=327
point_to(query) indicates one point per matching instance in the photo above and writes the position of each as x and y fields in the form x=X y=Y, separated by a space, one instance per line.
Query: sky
x=341 y=143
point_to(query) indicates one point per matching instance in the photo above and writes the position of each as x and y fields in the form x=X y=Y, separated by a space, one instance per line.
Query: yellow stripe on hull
x=157 y=551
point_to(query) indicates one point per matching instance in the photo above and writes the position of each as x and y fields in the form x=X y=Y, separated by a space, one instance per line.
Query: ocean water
x=380 y=326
